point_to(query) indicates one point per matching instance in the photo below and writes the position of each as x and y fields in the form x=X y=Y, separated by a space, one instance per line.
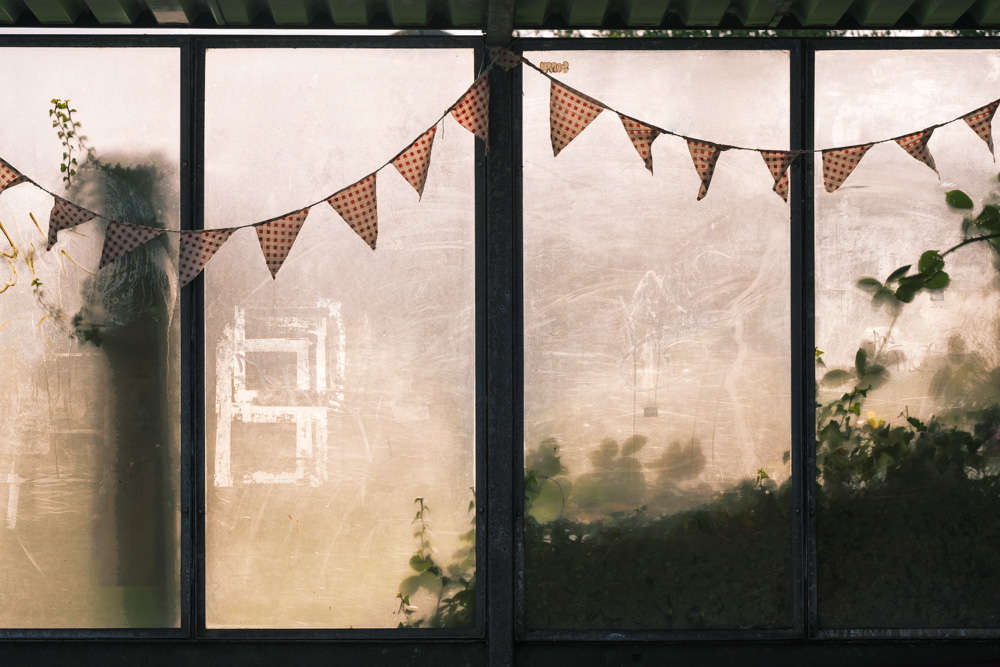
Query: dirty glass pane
x=343 y=390
x=909 y=390
x=89 y=421
x=656 y=343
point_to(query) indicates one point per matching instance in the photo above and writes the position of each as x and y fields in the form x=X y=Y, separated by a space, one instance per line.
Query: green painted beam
x=290 y=12
x=114 y=12
x=940 y=12
x=465 y=13
x=355 y=13
x=10 y=10
x=819 y=13
x=758 y=13
x=408 y=12
x=642 y=13
x=238 y=12
x=701 y=13
x=173 y=12
x=877 y=13
x=55 y=11
x=987 y=13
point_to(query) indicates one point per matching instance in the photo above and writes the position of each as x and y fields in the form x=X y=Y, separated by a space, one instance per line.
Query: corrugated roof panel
x=759 y=13
x=465 y=13
x=409 y=13
x=701 y=12
x=645 y=12
x=290 y=12
x=820 y=12
x=351 y=13
x=940 y=12
x=586 y=13
x=987 y=12
x=56 y=12
x=10 y=10
x=173 y=12
x=531 y=13
x=880 y=12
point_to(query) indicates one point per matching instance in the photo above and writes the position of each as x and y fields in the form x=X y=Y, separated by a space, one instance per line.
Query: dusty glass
x=656 y=344
x=342 y=390
x=908 y=388
x=89 y=422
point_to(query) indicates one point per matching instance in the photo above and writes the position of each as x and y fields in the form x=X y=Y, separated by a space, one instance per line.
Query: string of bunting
x=570 y=112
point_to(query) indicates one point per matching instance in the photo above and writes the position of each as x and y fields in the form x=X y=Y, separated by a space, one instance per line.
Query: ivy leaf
x=898 y=273
x=835 y=378
x=989 y=218
x=930 y=262
x=939 y=280
x=905 y=293
x=860 y=361
x=917 y=424
x=420 y=564
x=957 y=199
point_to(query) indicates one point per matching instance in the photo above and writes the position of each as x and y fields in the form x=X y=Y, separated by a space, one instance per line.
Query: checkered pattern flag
x=65 y=215
x=642 y=138
x=121 y=238
x=704 y=155
x=838 y=165
x=472 y=110
x=980 y=121
x=777 y=163
x=197 y=247
x=359 y=209
x=916 y=145
x=277 y=236
x=413 y=163
x=506 y=58
x=9 y=177
x=569 y=114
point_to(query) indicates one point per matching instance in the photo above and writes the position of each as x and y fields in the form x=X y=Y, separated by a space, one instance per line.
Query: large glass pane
x=656 y=343
x=344 y=389
x=89 y=424
x=907 y=447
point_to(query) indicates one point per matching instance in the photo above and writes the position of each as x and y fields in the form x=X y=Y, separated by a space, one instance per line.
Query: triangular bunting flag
x=65 y=215
x=506 y=58
x=916 y=145
x=777 y=163
x=642 y=138
x=413 y=163
x=569 y=114
x=472 y=111
x=704 y=155
x=277 y=236
x=359 y=209
x=121 y=238
x=838 y=165
x=9 y=176
x=197 y=247
x=980 y=120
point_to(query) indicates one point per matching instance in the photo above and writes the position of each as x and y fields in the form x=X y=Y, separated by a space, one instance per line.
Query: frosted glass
x=907 y=532
x=344 y=389
x=89 y=424
x=656 y=343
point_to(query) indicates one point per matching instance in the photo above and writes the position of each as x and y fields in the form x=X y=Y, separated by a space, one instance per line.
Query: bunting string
x=570 y=112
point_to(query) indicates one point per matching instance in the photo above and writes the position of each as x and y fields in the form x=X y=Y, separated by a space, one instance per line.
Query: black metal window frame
x=499 y=636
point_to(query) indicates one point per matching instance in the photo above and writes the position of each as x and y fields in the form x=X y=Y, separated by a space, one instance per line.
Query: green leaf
x=917 y=424
x=835 y=378
x=989 y=218
x=905 y=293
x=930 y=262
x=860 y=360
x=62 y=167
x=420 y=564
x=898 y=273
x=957 y=199
x=856 y=409
x=870 y=285
x=939 y=280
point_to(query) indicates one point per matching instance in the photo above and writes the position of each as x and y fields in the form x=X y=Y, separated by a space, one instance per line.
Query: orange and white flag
x=358 y=207
x=277 y=236
x=196 y=248
x=472 y=111
x=916 y=145
x=704 y=155
x=777 y=163
x=569 y=113
x=839 y=163
x=981 y=121
x=121 y=238
x=642 y=137
x=65 y=215
x=413 y=163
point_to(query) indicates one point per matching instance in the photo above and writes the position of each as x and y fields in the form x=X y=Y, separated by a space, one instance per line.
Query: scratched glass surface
x=656 y=343
x=343 y=389
x=922 y=539
x=89 y=422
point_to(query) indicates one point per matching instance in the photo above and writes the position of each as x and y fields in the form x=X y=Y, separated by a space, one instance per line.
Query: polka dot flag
x=704 y=155
x=9 y=176
x=472 y=111
x=569 y=114
x=838 y=165
x=415 y=160
x=196 y=248
x=121 y=238
x=777 y=163
x=359 y=209
x=642 y=138
x=916 y=145
x=980 y=121
x=65 y=215
x=277 y=236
